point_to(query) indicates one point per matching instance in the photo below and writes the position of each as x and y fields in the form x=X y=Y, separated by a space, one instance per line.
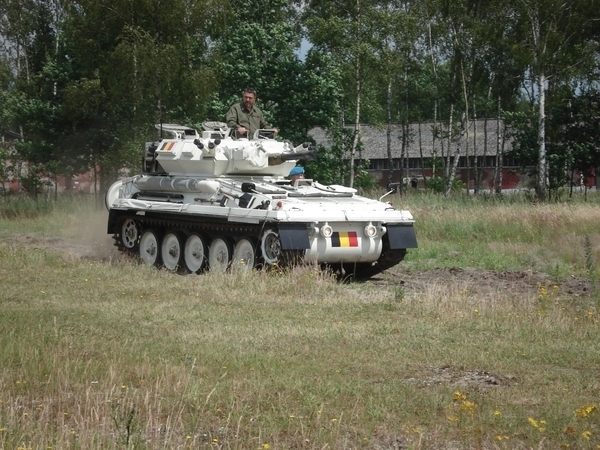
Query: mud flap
x=293 y=236
x=401 y=236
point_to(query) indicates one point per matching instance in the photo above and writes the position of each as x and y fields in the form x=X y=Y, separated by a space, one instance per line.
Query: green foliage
x=260 y=52
x=522 y=130
x=328 y=168
x=571 y=137
x=85 y=81
x=362 y=179
x=574 y=130
x=436 y=184
x=331 y=167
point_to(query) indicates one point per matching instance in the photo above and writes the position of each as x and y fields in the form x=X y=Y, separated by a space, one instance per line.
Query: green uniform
x=239 y=116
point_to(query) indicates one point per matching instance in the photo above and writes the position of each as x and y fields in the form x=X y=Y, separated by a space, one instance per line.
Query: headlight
x=370 y=230
x=326 y=230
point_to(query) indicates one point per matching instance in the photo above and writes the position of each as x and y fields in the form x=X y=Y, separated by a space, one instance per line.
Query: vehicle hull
x=181 y=215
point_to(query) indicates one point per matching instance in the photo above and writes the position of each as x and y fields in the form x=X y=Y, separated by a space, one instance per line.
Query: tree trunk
x=485 y=140
x=447 y=164
x=465 y=129
x=389 y=136
x=499 y=151
x=452 y=172
x=540 y=79
x=542 y=180
x=476 y=167
x=435 y=106
x=405 y=136
x=421 y=154
x=356 y=122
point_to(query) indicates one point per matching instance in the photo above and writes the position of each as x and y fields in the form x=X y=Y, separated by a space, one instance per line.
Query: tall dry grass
x=112 y=354
x=506 y=235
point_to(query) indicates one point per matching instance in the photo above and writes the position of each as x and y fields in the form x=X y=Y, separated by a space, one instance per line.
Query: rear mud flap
x=293 y=236
x=401 y=236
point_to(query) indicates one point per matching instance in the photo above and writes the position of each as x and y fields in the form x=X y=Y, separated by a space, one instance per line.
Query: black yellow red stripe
x=344 y=239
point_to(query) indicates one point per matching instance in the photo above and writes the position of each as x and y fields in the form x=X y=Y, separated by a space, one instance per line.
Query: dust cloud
x=82 y=236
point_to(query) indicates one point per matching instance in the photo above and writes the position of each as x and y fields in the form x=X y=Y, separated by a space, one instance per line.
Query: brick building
x=480 y=148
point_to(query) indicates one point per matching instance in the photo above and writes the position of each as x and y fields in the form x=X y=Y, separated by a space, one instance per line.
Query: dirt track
x=485 y=282
x=478 y=281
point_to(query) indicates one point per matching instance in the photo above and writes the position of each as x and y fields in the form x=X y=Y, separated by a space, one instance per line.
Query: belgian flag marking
x=344 y=239
x=168 y=146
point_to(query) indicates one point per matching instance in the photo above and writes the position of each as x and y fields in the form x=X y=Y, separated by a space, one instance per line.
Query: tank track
x=213 y=228
x=208 y=228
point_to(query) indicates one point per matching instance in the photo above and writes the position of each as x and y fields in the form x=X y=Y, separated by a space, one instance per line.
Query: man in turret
x=244 y=117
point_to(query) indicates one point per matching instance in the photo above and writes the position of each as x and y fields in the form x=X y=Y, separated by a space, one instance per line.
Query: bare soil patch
x=485 y=282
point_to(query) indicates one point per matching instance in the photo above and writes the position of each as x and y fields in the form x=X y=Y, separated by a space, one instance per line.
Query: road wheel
x=244 y=255
x=171 y=250
x=219 y=254
x=149 y=248
x=194 y=253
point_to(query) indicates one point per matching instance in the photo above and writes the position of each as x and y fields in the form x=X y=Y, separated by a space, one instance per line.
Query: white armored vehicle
x=211 y=201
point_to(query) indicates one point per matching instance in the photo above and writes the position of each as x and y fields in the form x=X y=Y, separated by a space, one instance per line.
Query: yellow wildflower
x=585 y=411
x=468 y=406
x=458 y=396
x=586 y=435
x=532 y=422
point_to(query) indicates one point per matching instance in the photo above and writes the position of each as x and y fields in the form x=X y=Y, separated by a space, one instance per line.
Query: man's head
x=249 y=97
x=296 y=173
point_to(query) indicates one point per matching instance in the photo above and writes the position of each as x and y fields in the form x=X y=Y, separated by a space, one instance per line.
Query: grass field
x=105 y=353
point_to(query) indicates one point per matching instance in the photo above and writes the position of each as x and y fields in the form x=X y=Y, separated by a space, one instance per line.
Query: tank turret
x=215 y=153
x=209 y=200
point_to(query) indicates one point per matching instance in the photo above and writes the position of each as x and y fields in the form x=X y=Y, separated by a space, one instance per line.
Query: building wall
x=511 y=178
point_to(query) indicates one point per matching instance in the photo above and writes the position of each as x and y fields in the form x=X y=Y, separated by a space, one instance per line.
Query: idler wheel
x=149 y=248
x=270 y=246
x=130 y=234
x=171 y=250
x=194 y=253
x=219 y=254
x=244 y=255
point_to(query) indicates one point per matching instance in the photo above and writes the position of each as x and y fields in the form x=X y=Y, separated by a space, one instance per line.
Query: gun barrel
x=301 y=156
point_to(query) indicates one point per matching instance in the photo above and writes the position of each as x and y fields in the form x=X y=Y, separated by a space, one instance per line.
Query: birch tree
x=552 y=34
x=350 y=32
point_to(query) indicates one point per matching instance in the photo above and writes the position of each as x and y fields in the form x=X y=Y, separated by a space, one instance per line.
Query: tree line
x=82 y=82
